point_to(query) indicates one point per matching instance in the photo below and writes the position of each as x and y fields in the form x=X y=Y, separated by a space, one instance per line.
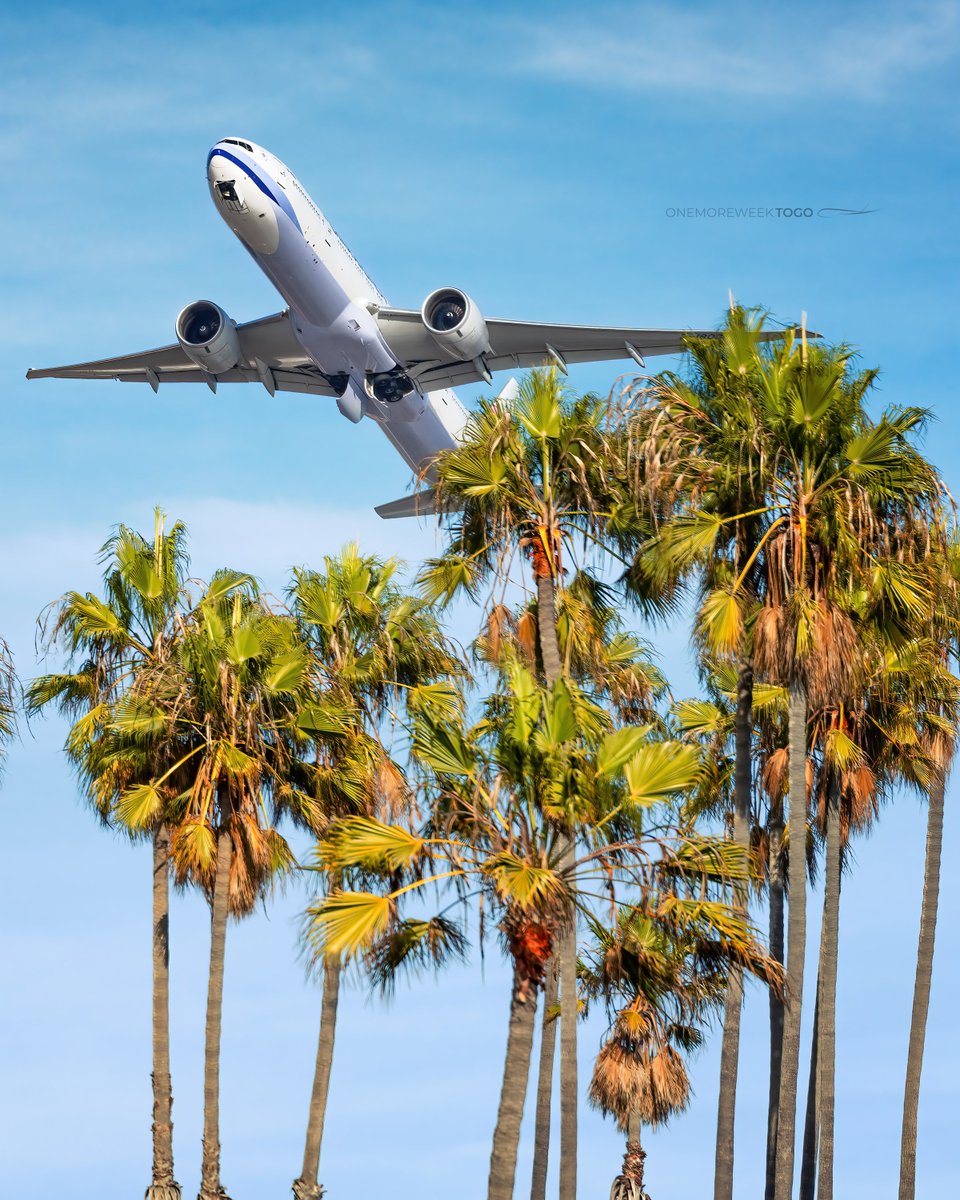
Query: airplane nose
x=227 y=179
x=243 y=205
x=218 y=166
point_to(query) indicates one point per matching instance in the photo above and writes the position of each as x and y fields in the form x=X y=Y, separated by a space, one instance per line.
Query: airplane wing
x=524 y=344
x=269 y=341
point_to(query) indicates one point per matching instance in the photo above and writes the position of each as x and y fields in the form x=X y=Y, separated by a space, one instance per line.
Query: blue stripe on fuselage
x=281 y=201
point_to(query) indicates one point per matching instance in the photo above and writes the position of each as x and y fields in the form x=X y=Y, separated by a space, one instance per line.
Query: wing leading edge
x=271 y=356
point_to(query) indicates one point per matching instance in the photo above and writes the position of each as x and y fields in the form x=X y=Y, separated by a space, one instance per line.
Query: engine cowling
x=208 y=336
x=455 y=323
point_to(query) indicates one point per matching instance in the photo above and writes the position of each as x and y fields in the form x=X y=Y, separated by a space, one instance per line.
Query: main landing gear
x=389 y=387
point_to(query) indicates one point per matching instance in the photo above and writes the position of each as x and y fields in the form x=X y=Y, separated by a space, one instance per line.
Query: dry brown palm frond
x=391 y=790
x=615 y=1085
x=499 y=627
x=772 y=646
x=527 y=637
x=861 y=800
x=813 y=641
x=645 y=1075
x=829 y=666
x=774 y=774
x=248 y=863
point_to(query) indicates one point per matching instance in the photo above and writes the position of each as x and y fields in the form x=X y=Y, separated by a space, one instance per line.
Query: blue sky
x=530 y=155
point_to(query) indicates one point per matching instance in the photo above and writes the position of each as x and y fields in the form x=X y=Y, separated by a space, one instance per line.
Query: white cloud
x=747 y=50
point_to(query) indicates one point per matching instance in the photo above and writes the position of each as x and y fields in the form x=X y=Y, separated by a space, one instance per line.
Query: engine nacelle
x=455 y=324
x=208 y=336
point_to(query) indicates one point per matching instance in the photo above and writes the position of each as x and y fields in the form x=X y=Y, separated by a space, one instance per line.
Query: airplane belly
x=297 y=273
x=343 y=346
x=420 y=437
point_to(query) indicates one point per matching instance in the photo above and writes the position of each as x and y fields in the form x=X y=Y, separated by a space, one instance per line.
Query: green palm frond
x=414 y=945
x=9 y=688
x=618 y=748
x=346 y=923
x=660 y=771
x=440 y=701
x=139 y=806
x=443 y=748
x=702 y=718
x=523 y=883
x=366 y=842
x=441 y=580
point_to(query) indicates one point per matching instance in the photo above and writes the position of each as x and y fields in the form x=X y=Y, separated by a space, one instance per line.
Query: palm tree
x=372 y=649
x=829 y=481
x=703 y=463
x=497 y=792
x=942 y=748
x=922 y=982
x=226 y=705
x=841 y=481
x=113 y=642
x=617 y=669
x=670 y=976
x=894 y=731
x=539 y=479
x=712 y=723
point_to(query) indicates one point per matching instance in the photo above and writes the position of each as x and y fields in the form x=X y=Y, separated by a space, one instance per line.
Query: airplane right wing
x=516 y=344
x=271 y=355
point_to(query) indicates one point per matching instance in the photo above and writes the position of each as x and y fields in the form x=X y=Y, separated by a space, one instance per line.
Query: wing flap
x=309 y=381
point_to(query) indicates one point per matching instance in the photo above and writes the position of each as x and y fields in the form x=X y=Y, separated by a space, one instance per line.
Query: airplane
x=339 y=337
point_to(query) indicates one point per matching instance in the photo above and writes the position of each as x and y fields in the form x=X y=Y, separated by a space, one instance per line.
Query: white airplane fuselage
x=331 y=300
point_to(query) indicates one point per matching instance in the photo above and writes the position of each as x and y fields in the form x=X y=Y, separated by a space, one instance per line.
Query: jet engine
x=455 y=324
x=208 y=336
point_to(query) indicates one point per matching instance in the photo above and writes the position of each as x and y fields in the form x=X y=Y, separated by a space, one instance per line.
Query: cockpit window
x=237 y=142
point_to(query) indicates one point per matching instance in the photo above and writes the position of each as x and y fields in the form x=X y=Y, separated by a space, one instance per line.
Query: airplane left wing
x=522 y=344
x=270 y=355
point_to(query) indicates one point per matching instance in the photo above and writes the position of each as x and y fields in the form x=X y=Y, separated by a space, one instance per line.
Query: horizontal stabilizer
x=419 y=504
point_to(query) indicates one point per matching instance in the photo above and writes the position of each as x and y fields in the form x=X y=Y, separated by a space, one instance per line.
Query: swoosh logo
x=845 y=212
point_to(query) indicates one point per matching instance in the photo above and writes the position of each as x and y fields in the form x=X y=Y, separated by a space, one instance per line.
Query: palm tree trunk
x=567 y=949
x=776 y=1001
x=307 y=1187
x=633 y=1128
x=163 y=1185
x=548 y=1042
x=569 y=1014
x=921 y=987
x=513 y=1092
x=210 y=1187
x=811 y=1124
x=547 y=628
x=827 y=998
x=796 y=942
x=811 y=1121
x=730 y=1047
x=629 y=1183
